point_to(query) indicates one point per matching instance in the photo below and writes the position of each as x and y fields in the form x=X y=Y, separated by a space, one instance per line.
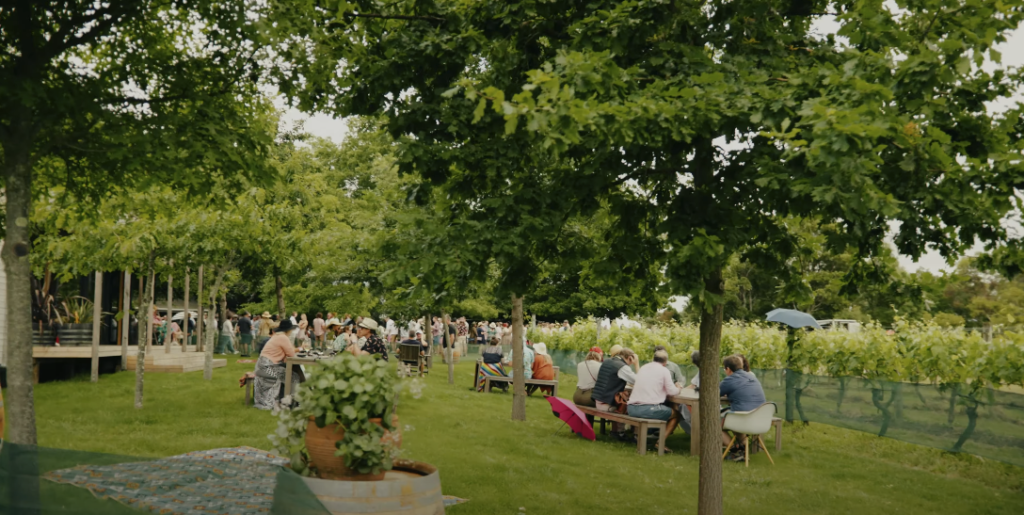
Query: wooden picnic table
x=690 y=397
x=288 y=362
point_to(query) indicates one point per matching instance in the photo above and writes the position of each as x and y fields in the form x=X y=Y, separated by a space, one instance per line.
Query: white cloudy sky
x=1013 y=55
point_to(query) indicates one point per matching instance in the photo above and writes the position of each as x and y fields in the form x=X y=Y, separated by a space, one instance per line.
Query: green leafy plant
x=350 y=391
x=78 y=309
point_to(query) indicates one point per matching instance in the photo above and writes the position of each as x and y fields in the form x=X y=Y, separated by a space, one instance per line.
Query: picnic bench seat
x=642 y=425
x=553 y=383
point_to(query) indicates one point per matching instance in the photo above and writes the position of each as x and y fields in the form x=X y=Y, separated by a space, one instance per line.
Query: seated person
x=370 y=343
x=417 y=341
x=268 y=387
x=653 y=387
x=527 y=360
x=492 y=352
x=586 y=372
x=744 y=393
x=612 y=378
x=694 y=385
x=340 y=340
x=543 y=368
x=677 y=374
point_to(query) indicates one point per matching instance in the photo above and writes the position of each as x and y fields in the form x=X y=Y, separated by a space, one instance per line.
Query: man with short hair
x=612 y=378
x=677 y=374
x=744 y=393
x=652 y=388
x=245 y=333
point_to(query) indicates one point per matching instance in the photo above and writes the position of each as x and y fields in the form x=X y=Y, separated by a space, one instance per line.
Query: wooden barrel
x=75 y=334
x=411 y=488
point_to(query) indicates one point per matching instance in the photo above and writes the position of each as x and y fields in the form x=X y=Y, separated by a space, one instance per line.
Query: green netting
x=957 y=418
x=241 y=481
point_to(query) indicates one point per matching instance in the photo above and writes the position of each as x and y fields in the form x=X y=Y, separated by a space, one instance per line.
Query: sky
x=336 y=130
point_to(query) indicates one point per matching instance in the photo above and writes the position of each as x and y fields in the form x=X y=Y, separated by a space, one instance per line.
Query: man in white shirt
x=390 y=329
x=652 y=388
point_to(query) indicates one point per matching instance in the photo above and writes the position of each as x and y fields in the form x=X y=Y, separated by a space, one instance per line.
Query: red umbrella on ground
x=567 y=412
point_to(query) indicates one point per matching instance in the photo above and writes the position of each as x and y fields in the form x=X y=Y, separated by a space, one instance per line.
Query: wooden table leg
x=641 y=439
x=778 y=436
x=662 y=435
x=695 y=430
x=287 y=378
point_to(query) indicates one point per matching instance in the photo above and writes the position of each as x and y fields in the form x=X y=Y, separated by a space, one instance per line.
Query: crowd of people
x=618 y=384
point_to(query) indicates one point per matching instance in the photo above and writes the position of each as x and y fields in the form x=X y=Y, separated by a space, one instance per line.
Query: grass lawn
x=504 y=467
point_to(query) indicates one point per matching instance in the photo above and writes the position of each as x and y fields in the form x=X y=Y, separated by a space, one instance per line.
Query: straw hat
x=332 y=322
x=266 y=314
x=368 y=323
x=540 y=348
x=493 y=326
x=615 y=350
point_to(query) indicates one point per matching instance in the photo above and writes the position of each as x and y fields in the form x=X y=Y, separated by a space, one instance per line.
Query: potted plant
x=340 y=431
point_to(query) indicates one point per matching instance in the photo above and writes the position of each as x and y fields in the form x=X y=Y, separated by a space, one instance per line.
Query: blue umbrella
x=792 y=318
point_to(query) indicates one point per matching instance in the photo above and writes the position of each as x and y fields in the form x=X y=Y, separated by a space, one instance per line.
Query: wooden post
x=126 y=318
x=449 y=352
x=518 y=379
x=188 y=316
x=97 y=320
x=170 y=311
x=199 y=316
x=150 y=309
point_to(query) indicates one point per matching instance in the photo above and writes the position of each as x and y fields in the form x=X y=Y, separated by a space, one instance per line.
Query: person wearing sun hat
x=614 y=351
x=370 y=343
x=340 y=339
x=586 y=372
x=543 y=368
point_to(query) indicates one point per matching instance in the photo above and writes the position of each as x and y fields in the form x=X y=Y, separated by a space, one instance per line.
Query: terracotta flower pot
x=322 y=444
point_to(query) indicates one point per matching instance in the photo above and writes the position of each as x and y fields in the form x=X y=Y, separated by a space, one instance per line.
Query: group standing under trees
x=697 y=129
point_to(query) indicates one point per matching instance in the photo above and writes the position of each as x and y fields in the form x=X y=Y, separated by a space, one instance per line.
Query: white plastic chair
x=751 y=423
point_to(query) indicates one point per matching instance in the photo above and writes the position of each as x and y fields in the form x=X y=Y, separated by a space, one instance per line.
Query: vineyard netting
x=954 y=417
x=45 y=481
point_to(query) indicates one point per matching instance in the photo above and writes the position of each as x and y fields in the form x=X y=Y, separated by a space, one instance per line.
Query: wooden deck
x=157 y=360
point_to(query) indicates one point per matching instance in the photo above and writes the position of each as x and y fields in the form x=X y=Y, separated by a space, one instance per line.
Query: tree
x=101 y=94
x=633 y=103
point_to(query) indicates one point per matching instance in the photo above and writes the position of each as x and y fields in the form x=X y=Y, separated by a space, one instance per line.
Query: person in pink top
x=652 y=388
x=318 y=331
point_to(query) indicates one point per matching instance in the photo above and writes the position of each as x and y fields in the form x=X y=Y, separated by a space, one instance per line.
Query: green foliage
x=915 y=352
x=347 y=390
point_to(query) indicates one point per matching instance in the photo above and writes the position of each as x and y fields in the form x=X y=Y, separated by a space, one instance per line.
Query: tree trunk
x=200 y=319
x=170 y=312
x=188 y=316
x=449 y=351
x=97 y=323
x=279 y=288
x=211 y=338
x=126 y=318
x=518 y=379
x=429 y=336
x=709 y=500
x=972 y=421
x=17 y=173
x=145 y=313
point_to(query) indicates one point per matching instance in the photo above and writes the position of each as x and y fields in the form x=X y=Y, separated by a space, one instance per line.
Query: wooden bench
x=642 y=425
x=553 y=383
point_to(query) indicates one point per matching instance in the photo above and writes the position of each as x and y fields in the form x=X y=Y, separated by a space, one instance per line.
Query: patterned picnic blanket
x=236 y=481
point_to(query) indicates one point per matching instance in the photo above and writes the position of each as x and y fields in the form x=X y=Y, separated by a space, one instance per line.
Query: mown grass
x=515 y=467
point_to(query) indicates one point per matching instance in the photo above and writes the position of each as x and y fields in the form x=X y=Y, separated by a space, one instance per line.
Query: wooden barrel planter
x=75 y=334
x=410 y=488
